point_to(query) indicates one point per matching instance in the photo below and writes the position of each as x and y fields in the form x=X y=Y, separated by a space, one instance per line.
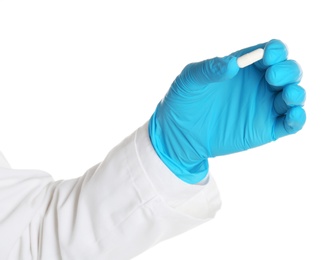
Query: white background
x=76 y=77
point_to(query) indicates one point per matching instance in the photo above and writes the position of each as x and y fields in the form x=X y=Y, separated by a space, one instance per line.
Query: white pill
x=250 y=58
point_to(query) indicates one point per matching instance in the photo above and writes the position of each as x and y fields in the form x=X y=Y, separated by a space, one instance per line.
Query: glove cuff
x=189 y=172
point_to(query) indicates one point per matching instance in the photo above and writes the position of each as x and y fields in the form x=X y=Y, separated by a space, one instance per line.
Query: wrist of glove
x=214 y=108
x=179 y=155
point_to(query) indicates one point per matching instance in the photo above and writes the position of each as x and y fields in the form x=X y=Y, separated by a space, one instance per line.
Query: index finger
x=275 y=52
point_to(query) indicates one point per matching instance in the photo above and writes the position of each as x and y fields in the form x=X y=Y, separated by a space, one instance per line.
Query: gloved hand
x=215 y=108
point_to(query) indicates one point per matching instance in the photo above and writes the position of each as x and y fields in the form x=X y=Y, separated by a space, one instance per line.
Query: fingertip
x=291 y=123
x=220 y=69
x=275 y=52
x=294 y=95
x=284 y=73
x=295 y=119
x=232 y=68
x=199 y=74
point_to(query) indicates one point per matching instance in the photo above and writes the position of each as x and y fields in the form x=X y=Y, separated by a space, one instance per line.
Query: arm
x=155 y=184
x=118 y=208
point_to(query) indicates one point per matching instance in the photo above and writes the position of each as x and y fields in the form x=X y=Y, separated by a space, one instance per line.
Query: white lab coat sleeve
x=22 y=194
x=119 y=208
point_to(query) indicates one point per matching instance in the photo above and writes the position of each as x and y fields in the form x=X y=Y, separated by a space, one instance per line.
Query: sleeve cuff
x=200 y=200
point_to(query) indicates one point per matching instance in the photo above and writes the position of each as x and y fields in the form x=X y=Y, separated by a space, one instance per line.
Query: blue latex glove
x=215 y=108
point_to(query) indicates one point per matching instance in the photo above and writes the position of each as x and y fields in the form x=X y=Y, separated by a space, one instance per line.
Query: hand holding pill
x=226 y=105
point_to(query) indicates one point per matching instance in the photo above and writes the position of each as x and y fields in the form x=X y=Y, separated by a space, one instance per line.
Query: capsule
x=250 y=58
